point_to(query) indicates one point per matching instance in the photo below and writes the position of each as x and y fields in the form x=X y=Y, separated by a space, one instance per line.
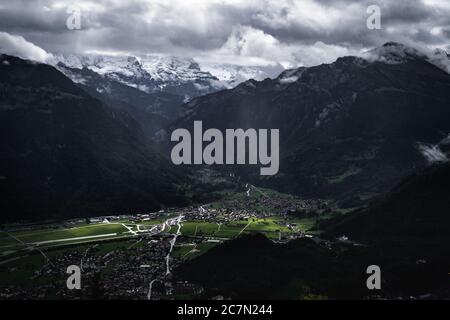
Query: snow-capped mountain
x=153 y=87
x=171 y=70
x=232 y=75
x=151 y=110
x=159 y=73
x=441 y=59
x=393 y=53
x=397 y=53
x=149 y=74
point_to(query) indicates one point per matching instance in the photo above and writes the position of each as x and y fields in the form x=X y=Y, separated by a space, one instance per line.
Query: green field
x=271 y=227
x=198 y=228
x=187 y=252
x=6 y=240
x=18 y=264
x=83 y=235
x=228 y=231
x=32 y=236
x=21 y=270
x=36 y=236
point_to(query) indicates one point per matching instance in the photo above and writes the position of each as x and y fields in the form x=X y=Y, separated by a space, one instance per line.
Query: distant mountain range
x=152 y=88
x=153 y=111
x=159 y=73
x=149 y=74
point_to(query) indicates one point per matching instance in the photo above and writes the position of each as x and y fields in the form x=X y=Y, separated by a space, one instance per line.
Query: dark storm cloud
x=284 y=30
x=400 y=19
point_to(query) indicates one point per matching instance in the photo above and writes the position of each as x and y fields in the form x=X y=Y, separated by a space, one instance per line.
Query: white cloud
x=246 y=32
x=249 y=46
x=440 y=4
x=432 y=153
x=18 y=46
x=440 y=59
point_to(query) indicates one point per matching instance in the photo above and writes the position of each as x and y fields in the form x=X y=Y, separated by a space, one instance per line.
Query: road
x=173 y=241
x=244 y=227
x=149 y=294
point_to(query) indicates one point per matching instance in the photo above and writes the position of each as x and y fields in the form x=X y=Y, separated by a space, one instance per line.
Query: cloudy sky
x=247 y=32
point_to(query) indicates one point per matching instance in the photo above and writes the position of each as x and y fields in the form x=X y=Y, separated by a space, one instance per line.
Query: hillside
x=65 y=153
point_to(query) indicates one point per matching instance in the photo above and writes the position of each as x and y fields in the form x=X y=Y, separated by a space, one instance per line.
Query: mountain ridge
x=369 y=116
x=152 y=73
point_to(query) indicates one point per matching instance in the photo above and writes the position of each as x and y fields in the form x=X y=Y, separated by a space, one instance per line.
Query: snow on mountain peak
x=169 y=68
x=441 y=59
x=156 y=72
x=128 y=66
x=291 y=75
x=397 y=53
x=232 y=75
x=393 y=53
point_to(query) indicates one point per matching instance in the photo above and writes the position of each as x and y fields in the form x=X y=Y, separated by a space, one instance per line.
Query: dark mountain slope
x=406 y=233
x=253 y=267
x=416 y=211
x=352 y=125
x=65 y=153
x=152 y=111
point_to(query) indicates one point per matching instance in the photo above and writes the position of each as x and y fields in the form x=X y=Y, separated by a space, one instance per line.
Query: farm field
x=34 y=236
x=19 y=242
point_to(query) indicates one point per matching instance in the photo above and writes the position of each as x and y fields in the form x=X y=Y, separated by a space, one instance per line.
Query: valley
x=114 y=248
x=360 y=177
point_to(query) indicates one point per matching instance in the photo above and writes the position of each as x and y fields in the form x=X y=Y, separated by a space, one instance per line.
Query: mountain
x=351 y=128
x=150 y=73
x=441 y=59
x=415 y=212
x=152 y=111
x=397 y=53
x=254 y=267
x=405 y=232
x=181 y=76
x=232 y=75
x=154 y=73
x=409 y=230
x=65 y=153
x=152 y=88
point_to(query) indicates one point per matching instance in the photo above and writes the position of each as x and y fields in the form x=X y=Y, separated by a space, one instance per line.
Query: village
x=140 y=262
